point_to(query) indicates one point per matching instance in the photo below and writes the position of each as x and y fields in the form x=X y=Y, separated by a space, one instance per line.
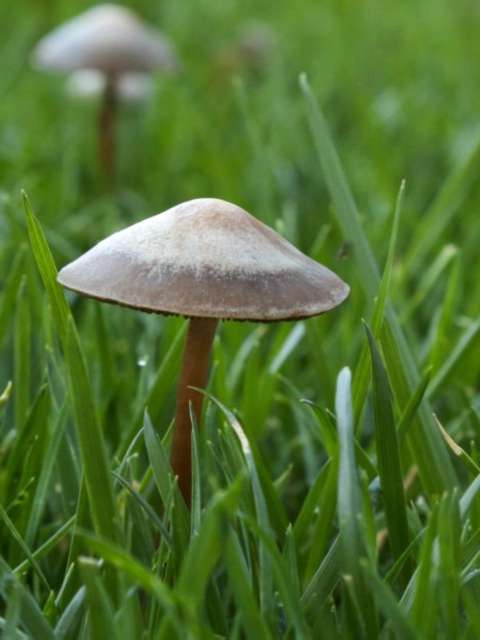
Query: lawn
x=336 y=470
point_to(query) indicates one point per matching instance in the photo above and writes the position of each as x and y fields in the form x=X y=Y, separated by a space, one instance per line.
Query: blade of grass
x=10 y=290
x=21 y=543
x=362 y=372
x=260 y=498
x=92 y=447
x=101 y=623
x=48 y=271
x=435 y=468
x=349 y=506
x=30 y=615
x=435 y=220
x=397 y=619
x=449 y=532
x=408 y=415
x=45 y=478
x=146 y=507
x=69 y=621
x=47 y=546
x=123 y=561
x=440 y=340
x=388 y=455
x=325 y=578
x=455 y=357
x=21 y=380
x=240 y=582
x=457 y=450
x=162 y=474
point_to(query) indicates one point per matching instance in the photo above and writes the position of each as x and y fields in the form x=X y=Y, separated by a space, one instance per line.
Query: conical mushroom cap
x=108 y=38
x=205 y=258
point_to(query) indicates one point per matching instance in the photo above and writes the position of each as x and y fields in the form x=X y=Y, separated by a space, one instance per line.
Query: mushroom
x=249 y=53
x=111 y=40
x=208 y=260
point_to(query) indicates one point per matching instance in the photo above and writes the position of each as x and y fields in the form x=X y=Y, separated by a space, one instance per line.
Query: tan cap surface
x=108 y=38
x=205 y=258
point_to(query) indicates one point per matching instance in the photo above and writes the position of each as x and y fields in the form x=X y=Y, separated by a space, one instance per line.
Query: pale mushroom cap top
x=108 y=38
x=205 y=258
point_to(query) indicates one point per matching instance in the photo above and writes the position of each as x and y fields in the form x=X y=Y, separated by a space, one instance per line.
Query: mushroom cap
x=107 y=38
x=205 y=258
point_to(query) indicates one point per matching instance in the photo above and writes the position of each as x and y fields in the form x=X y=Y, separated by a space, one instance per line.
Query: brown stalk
x=107 y=125
x=194 y=374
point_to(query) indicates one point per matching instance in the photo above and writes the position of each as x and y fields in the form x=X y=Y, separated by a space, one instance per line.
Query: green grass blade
x=206 y=548
x=69 y=621
x=44 y=481
x=409 y=413
x=47 y=546
x=160 y=388
x=34 y=426
x=30 y=615
x=90 y=438
x=422 y=603
x=388 y=455
x=240 y=582
x=162 y=474
x=362 y=378
x=324 y=579
x=455 y=358
x=252 y=456
x=435 y=468
x=20 y=541
x=258 y=468
x=440 y=341
x=432 y=276
x=146 y=508
x=123 y=561
x=457 y=450
x=101 y=621
x=323 y=522
x=283 y=580
x=349 y=505
x=449 y=532
x=435 y=220
x=196 y=507
x=21 y=380
x=397 y=619
x=48 y=271
x=10 y=291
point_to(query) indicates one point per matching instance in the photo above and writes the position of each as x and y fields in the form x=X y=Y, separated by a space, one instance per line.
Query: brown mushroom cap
x=108 y=38
x=205 y=258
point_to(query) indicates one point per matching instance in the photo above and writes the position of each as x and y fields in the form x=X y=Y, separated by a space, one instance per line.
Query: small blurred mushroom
x=251 y=51
x=208 y=260
x=112 y=41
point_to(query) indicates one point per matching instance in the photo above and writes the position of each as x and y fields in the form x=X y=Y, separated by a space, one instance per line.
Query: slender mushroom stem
x=108 y=116
x=194 y=374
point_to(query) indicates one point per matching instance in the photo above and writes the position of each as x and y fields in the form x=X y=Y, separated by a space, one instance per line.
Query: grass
x=335 y=488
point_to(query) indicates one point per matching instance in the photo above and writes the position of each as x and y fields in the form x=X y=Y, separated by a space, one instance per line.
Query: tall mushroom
x=111 y=40
x=205 y=259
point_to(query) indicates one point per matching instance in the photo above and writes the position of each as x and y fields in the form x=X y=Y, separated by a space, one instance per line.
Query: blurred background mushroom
x=118 y=51
x=249 y=52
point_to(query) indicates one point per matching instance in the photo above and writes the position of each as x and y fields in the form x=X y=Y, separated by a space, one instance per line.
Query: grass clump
x=326 y=500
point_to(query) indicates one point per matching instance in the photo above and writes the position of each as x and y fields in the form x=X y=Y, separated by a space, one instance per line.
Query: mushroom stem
x=194 y=374
x=107 y=120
